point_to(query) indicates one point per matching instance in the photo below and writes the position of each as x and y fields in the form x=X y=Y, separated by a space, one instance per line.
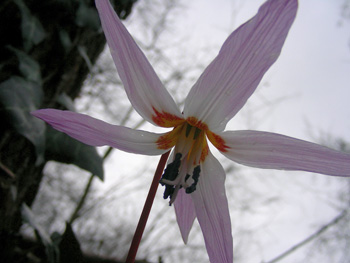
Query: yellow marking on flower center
x=189 y=139
x=169 y=139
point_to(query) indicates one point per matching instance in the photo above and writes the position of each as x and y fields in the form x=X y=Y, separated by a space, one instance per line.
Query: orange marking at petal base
x=196 y=123
x=217 y=141
x=167 y=120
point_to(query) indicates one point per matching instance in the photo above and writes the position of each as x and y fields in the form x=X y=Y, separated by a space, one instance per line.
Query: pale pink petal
x=95 y=132
x=185 y=213
x=184 y=208
x=142 y=85
x=275 y=151
x=212 y=211
x=228 y=82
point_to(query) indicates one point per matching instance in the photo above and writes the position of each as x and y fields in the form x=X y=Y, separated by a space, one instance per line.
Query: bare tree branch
x=310 y=238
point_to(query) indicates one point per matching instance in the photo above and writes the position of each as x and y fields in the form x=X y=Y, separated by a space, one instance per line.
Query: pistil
x=190 y=150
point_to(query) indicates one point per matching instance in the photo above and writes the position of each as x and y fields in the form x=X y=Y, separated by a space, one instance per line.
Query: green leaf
x=70 y=251
x=52 y=251
x=65 y=40
x=62 y=148
x=32 y=30
x=87 y=16
x=29 y=68
x=19 y=97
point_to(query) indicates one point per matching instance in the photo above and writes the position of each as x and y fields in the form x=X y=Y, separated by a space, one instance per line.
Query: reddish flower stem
x=146 y=209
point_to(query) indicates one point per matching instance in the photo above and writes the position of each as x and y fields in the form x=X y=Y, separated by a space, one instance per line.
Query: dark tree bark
x=63 y=69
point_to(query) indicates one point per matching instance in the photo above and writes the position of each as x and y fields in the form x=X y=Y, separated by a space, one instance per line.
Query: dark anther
x=168 y=192
x=190 y=189
x=196 y=172
x=170 y=173
x=195 y=177
x=172 y=169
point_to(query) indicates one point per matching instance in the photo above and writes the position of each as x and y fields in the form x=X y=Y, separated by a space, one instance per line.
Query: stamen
x=196 y=133
x=195 y=177
x=170 y=174
x=174 y=194
x=168 y=192
x=191 y=148
x=196 y=172
x=172 y=169
x=188 y=129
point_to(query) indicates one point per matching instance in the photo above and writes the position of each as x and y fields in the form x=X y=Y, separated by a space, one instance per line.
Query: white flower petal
x=276 y=151
x=142 y=85
x=95 y=132
x=185 y=213
x=228 y=82
x=212 y=211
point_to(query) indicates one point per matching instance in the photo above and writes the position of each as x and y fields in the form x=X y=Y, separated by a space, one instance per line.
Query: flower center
x=191 y=149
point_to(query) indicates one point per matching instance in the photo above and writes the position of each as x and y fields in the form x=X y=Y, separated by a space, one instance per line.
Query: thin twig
x=310 y=238
x=7 y=171
x=81 y=202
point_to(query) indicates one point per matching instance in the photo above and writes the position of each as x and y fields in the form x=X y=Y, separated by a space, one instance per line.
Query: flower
x=194 y=179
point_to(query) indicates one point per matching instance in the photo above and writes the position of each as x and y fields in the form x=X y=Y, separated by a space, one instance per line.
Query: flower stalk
x=146 y=209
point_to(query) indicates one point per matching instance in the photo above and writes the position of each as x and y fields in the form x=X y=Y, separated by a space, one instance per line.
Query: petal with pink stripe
x=142 y=85
x=232 y=77
x=275 y=151
x=95 y=132
x=212 y=211
x=185 y=213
